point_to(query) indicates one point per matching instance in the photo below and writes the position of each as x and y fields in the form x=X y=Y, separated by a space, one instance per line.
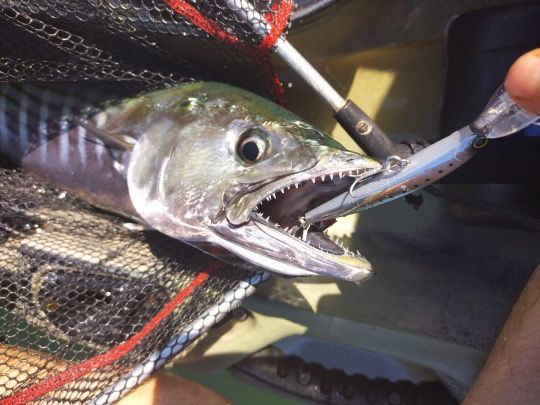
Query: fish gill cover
x=88 y=307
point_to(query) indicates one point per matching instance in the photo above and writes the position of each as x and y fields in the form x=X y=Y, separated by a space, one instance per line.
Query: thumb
x=523 y=81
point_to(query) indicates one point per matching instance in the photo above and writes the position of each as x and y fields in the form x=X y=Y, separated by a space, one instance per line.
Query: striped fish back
x=33 y=114
x=40 y=132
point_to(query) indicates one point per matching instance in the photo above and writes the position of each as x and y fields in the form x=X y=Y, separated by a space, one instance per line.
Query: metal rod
x=310 y=75
x=290 y=55
x=356 y=122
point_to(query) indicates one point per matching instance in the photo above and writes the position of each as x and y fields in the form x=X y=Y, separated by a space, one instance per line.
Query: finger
x=523 y=81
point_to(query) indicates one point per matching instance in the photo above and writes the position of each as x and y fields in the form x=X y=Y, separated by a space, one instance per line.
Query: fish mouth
x=284 y=209
x=275 y=236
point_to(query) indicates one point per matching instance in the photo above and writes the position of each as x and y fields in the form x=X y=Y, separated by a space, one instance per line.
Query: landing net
x=89 y=305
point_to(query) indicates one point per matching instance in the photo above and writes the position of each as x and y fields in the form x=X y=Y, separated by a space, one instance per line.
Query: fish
x=211 y=165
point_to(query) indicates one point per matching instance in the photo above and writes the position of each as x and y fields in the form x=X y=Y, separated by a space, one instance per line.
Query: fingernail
x=523 y=82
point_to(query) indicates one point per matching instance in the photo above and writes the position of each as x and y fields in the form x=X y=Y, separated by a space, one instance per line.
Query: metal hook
x=351 y=189
x=392 y=164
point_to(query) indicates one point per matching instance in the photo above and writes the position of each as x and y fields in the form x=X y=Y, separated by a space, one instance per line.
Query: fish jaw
x=212 y=197
x=253 y=230
x=333 y=164
x=270 y=247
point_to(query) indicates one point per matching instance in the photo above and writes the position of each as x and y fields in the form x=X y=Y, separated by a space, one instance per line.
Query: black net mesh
x=76 y=284
x=142 y=43
x=90 y=305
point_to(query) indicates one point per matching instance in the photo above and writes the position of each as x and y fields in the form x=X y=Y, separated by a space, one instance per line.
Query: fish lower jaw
x=343 y=264
x=303 y=234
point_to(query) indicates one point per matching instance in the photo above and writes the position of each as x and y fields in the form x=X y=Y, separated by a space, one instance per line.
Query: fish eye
x=252 y=145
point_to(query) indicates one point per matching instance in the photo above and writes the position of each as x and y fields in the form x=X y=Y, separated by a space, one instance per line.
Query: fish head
x=223 y=166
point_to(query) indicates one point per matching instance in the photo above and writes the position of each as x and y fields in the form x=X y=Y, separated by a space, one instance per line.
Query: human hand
x=523 y=81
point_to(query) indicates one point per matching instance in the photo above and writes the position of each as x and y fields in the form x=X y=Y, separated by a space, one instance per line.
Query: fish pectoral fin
x=118 y=146
x=112 y=140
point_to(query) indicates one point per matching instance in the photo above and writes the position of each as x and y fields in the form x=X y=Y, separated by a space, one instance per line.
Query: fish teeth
x=274 y=195
x=313 y=180
x=296 y=185
x=331 y=176
x=282 y=191
x=340 y=175
x=323 y=177
x=305 y=233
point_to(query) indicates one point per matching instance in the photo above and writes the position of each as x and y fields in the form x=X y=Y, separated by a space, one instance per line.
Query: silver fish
x=210 y=165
